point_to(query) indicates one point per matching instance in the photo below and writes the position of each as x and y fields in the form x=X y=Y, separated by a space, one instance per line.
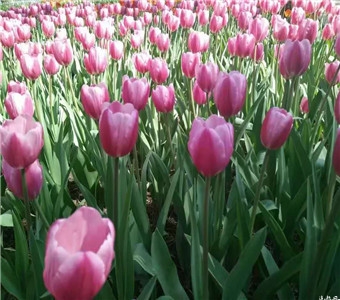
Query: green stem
x=136 y=165
x=168 y=125
x=192 y=102
x=41 y=213
x=205 y=234
x=258 y=190
x=290 y=95
x=115 y=191
x=51 y=99
x=26 y=200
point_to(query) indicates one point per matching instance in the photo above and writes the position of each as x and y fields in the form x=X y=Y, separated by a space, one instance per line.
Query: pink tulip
x=1 y=53
x=173 y=23
x=328 y=32
x=116 y=49
x=103 y=30
x=7 y=38
x=332 y=73
x=31 y=66
x=244 y=19
x=304 y=107
x=158 y=69
x=48 y=28
x=77 y=268
x=337 y=108
x=51 y=65
x=259 y=28
x=198 y=94
x=33 y=177
x=93 y=97
x=137 y=39
x=244 y=45
x=297 y=15
x=336 y=156
x=163 y=98
x=118 y=128
x=63 y=52
x=216 y=23
x=198 y=41
x=96 y=61
x=230 y=93
x=207 y=75
x=22 y=33
x=19 y=104
x=187 y=18
x=295 y=58
x=336 y=46
x=17 y=87
x=308 y=29
x=141 y=61
x=211 y=144
x=276 y=128
x=88 y=41
x=163 y=42
x=189 y=62
x=135 y=91
x=280 y=28
x=154 y=32
x=203 y=17
x=21 y=141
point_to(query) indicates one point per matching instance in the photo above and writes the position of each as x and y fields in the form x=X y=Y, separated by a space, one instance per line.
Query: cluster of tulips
x=201 y=63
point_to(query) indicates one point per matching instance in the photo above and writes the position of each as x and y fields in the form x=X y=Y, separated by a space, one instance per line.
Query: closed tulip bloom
x=337 y=108
x=298 y=14
x=198 y=41
x=116 y=49
x=258 y=53
x=21 y=141
x=332 y=73
x=244 y=19
x=336 y=151
x=135 y=91
x=141 y=61
x=1 y=53
x=16 y=86
x=89 y=41
x=48 y=28
x=203 y=17
x=259 y=28
x=295 y=58
x=336 y=46
x=33 y=177
x=230 y=93
x=207 y=75
x=93 y=97
x=328 y=32
x=189 y=62
x=158 y=69
x=216 y=23
x=308 y=29
x=173 y=23
x=31 y=66
x=118 y=128
x=164 y=98
x=51 y=65
x=163 y=42
x=280 y=29
x=244 y=45
x=187 y=18
x=276 y=128
x=198 y=94
x=63 y=52
x=211 y=144
x=154 y=32
x=304 y=107
x=22 y=33
x=77 y=268
x=96 y=61
x=19 y=104
x=7 y=38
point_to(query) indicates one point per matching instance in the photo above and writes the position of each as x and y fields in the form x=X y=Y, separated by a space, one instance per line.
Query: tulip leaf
x=143 y=258
x=148 y=289
x=165 y=268
x=10 y=281
x=241 y=271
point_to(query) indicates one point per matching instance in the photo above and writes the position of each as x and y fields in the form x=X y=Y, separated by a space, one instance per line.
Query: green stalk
x=115 y=191
x=41 y=213
x=136 y=165
x=258 y=190
x=51 y=99
x=205 y=231
x=168 y=123
x=26 y=200
x=192 y=99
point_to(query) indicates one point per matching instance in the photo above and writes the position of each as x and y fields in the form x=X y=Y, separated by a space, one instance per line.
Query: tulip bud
x=295 y=58
x=116 y=49
x=21 y=141
x=189 y=62
x=63 y=52
x=78 y=268
x=19 y=104
x=276 y=128
x=51 y=65
x=211 y=144
x=93 y=97
x=48 y=28
x=141 y=61
x=230 y=93
x=207 y=75
x=332 y=73
x=158 y=69
x=163 y=98
x=96 y=61
x=187 y=18
x=198 y=94
x=304 y=107
x=135 y=91
x=198 y=42
x=118 y=128
x=33 y=177
x=31 y=66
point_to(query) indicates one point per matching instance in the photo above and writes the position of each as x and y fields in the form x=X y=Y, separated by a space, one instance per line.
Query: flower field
x=170 y=150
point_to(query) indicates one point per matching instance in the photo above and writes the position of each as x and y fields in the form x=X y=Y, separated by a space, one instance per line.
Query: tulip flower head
x=77 y=268
x=135 y=91
x=164 y=98
x=276 y=128
x=211 y=144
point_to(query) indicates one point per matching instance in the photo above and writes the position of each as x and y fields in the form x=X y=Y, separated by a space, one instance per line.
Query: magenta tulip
x=207 y=75
x=337 y=108
x=187 y=18
x=336 y=151
x=19 y=104
x=198 y=94
x=211 y=144
x=276 y=128
x=230 y=93
x=198 y=41
x=51 y=65
x=31 y=66
x=62 y=51
x=295 y=58
x=259 y=28
x=135 y=91
x=93 y=97
x=21 y=141
x=116 y=49
x=328 y=32
x=154 y=32
x=163 y=98
x=33 y=177
x=158 y=69
x=304 y=107
x=77 y=268
x=337 y=46
x=96 y=61
x=189 y=62
x=141 y=61
x=118 y=128
x=163 y=42
x=332 y=74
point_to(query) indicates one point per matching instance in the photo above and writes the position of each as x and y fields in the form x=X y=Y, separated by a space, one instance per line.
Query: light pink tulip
x=135 y=91
x=116 y=49
x=198 y=41
x=163 y=98
x=200 y=97
x=141 y=61
x=31 y=66
x=63 y=52
x=51 y=65
x=96 y=61
x=158 y=70
x=19 y=104
x=207 y=75
x=189 y=62
x=331 y=72
x=48 y=28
